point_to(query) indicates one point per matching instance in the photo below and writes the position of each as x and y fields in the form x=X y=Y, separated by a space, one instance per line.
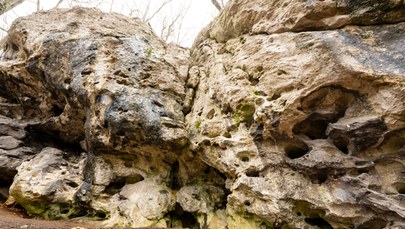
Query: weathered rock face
x=92 y=112
x=289 y=114
x=307 y=126
x=278 y=16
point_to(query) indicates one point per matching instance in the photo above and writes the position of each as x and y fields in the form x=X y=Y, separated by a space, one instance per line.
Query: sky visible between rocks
x=195 y=14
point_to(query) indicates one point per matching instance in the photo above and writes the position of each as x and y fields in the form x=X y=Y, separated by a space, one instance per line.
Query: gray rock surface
x=289 y=114
x=105 y=85
x=46 y=185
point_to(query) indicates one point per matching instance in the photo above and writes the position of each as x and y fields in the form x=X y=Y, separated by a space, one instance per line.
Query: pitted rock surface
x=289 y=114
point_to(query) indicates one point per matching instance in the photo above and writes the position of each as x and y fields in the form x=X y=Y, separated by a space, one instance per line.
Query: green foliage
x=243 y=113
x=366 y=35
x=149 y=51
x=197 y=125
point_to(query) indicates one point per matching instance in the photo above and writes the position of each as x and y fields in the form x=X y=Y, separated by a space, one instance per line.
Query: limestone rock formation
x=278 y=16
x=308 y=126
x=92 y=115
x=289 y=114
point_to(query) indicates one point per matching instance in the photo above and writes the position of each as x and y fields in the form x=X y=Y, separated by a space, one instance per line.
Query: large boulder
x=80 y=80
x=285 y=114
x=304 y=111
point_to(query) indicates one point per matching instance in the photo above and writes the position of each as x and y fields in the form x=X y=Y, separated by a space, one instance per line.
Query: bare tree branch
x=6 y=5
x=57 y=4
x=217 y=5
x=171 y=31
x=223 y=2
x=157 y=11
x=145 y=13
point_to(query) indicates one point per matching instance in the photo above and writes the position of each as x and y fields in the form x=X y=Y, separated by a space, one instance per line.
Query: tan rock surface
x=278 y=16
x=305 y=125
x=285 y=114
x=103 y=84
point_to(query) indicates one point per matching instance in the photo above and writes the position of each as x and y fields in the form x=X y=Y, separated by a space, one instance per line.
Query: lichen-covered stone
x=85 y=81
x=285 y=114
x=303 y=123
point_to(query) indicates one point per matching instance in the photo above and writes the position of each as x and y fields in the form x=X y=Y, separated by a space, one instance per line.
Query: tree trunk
x=6 y=5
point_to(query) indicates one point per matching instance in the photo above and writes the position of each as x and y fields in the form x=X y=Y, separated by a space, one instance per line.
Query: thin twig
x=158 y=10
x=57 y=4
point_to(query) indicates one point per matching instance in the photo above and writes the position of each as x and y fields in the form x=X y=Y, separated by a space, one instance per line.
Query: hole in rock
x=400 y=187
x=252 y=173
x=373 y=224
x=174 y=175
x=342 y=144
x=64 y=211
x=227 y=135
x=253 y=81
x=296 y=150
x=214 y=175
x=39 y=136
x=363 y=170
x=105 y=124
x=314 y=126
x=15 y=47
x=132 y=179
x=4 y=187
x=245 y=159
x=207 y=142
x=67 y=81
x=101 y=215
x=64 y=208
x=247 y=203
x=319 y=222
x=57 y=110
x=72 y=184
x=333 y=97
x=322 y=176
x=187 y=219
x=86 y=72
x=323 y=106
x=211 y=114
x=274 y=97
x=115 y=186
x=311 y=214
x=361 y=163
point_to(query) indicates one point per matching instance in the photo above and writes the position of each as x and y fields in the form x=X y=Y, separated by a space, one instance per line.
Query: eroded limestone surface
x=288 y=114
x=92 y=120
